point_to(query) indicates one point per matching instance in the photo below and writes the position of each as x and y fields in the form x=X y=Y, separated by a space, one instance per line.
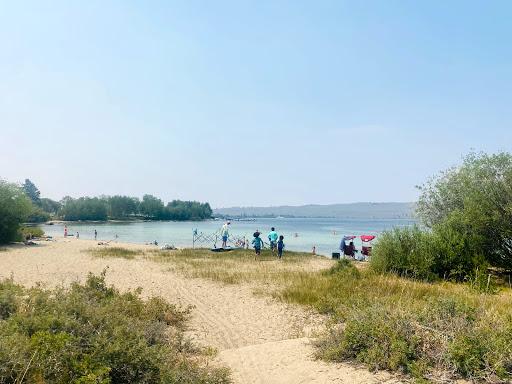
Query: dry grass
x=117 y=252
x=239 y=266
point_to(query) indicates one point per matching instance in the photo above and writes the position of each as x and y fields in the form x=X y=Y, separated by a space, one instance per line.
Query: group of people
x=66 y=234
x=276 y=241
x=350 y=250
x=77 y=235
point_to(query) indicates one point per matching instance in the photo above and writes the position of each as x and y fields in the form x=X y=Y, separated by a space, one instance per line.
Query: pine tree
x=32 y=192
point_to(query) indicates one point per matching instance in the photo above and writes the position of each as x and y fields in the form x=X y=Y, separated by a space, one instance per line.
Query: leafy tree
x=38 y=216
x=188 y=210
x=32 y=192
x=84 y=208
x=15 y=207
x=50 y=206
x=152 y=207
x=474 y=203
x=122 y=206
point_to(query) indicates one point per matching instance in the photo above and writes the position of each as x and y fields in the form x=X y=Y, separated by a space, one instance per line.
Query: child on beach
x=258 y=243
x=280 y=246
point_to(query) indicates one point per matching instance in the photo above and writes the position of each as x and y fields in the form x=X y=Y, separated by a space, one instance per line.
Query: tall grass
x=118 y=252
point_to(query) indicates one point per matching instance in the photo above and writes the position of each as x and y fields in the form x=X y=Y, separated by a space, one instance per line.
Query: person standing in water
x=272 y=238
x=77 y=235
x=65 y=231
x=95 y=234
x=224 y=232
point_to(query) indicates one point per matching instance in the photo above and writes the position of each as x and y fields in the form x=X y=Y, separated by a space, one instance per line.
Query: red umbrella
x=367 y=238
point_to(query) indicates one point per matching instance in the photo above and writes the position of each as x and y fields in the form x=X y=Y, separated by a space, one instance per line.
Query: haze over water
x=323 y=233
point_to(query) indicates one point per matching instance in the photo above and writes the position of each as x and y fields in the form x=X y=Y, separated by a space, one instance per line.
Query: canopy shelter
x=366 y=250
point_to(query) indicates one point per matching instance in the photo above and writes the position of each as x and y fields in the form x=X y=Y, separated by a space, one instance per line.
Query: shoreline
x=52 y=222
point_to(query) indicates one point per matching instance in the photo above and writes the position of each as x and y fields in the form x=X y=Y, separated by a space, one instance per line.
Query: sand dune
x=260 y=339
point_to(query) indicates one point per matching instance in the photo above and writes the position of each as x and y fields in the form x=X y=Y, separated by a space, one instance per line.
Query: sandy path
x=260 y=339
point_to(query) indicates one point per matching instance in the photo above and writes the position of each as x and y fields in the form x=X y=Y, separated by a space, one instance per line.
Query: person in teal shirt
x=258 y=244
x=272 y=238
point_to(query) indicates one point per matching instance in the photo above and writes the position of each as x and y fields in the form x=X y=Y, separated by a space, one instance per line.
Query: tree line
x=24 y=204
x=126 y=207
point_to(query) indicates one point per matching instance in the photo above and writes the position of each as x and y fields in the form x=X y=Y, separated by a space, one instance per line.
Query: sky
x=247 y=103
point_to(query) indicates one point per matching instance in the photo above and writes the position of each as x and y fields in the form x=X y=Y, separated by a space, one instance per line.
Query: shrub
x=14 y=209
x=30 y=232
x=406 y=251
x=373 y=336
x=474 y=201
x=428 y=255
x=91 y=333
x=429 y=330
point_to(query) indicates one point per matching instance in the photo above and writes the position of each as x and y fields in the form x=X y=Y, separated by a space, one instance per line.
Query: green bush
x=474 y=202
x=427 y=255
x=91 y=333
x=14 y=209
x=373 y=336
x=477 y=351
x=30 y=232
x=406 y=251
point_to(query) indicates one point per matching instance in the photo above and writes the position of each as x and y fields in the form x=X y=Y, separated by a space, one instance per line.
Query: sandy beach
x=260 y=339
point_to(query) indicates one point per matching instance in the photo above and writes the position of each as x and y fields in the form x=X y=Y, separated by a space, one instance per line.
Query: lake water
x=300 y=234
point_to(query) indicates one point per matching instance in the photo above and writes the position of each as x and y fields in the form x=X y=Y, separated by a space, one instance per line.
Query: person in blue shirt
x=280 y=246
x=272 y=238
x=258 y=244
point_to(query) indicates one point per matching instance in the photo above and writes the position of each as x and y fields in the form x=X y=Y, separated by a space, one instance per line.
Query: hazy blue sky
x=250 y=102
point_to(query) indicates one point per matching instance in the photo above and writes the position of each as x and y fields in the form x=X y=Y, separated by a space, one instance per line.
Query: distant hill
x=348 y=211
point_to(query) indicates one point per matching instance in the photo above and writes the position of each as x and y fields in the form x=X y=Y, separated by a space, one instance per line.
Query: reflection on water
x=300 y=234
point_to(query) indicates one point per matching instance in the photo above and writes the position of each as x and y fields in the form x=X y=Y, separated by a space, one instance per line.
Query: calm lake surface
x=300 y=234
